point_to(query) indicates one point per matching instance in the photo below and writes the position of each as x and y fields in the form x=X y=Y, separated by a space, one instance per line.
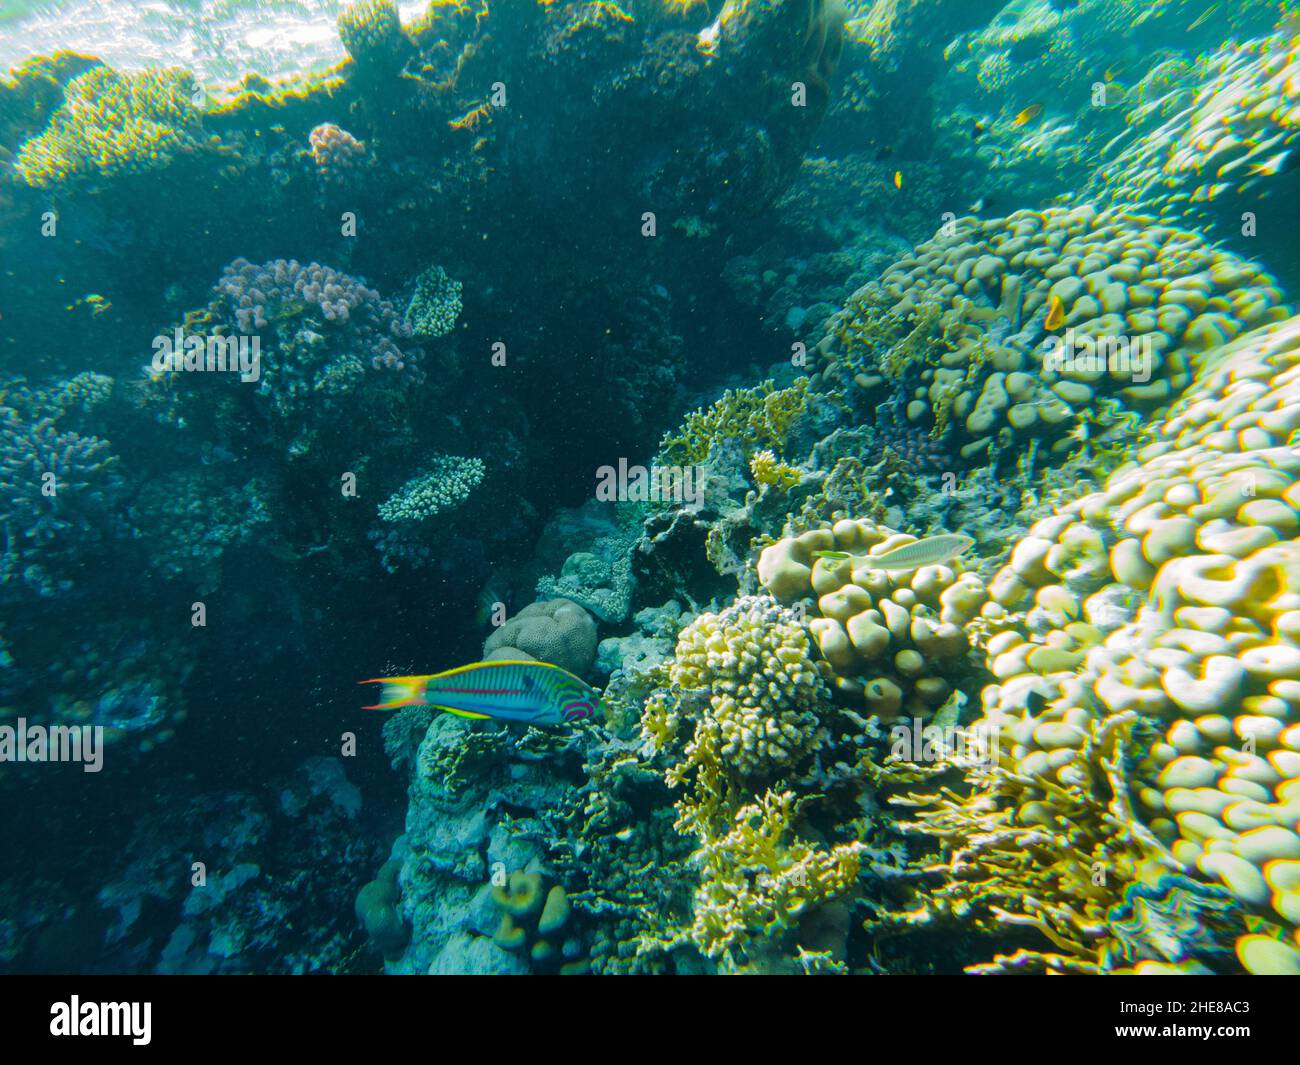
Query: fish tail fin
x=398 y=691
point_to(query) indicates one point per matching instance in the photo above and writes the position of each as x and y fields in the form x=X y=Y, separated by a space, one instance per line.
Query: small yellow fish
x=1055 y=314
x=1027 y=115
x=898 y=179
x=1203 y=16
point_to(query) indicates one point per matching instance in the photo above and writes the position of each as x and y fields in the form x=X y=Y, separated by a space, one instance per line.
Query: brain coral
x=1045 y=316
x=897 y=638
x=557 y=631
x=1174 y=594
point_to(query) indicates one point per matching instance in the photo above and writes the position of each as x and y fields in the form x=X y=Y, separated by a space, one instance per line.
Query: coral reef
x=1157 y=609
x=752 y=669
x=758 y=418
x=434 y=306
x=1235 y=120
x=111 y=124
x=897 y=639
x=337 y=154
x=1029 y=326
x=449 y=482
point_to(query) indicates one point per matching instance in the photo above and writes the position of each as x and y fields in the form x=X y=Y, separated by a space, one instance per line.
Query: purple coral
x=286 y=288
x=336 y=152
x=921 y=452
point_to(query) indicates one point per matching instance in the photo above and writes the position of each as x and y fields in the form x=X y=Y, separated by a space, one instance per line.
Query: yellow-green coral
x=759 y=417
x=770 y=472
x=113 y=123
x=1173 y=594
x=1054 y=857
x=747 y=679
x=757 y=878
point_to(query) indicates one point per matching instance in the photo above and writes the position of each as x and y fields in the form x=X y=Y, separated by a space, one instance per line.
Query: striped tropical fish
x=536 y=693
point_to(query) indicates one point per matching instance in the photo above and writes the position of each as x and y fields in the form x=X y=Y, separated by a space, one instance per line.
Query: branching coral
x=758 y=418
x=434 y=306
x=751 y=665
x=745 y=680
x=759 y=878
x=52 y=485
x=450 y=481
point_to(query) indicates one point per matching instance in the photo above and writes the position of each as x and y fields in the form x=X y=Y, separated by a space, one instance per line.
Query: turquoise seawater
x=656 y=487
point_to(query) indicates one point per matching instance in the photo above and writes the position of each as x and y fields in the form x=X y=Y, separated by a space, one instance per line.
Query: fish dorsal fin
x=529 y=666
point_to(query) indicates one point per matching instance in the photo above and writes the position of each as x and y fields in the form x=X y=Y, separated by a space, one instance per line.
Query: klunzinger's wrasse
x=535 y=693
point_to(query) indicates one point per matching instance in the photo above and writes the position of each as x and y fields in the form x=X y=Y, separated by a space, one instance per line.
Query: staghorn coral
x=111 y=124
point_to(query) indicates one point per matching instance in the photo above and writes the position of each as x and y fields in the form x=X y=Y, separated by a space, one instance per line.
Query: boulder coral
x=896 y=639
x=1043 y=318
x=557 y=631
x=1171 y=598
